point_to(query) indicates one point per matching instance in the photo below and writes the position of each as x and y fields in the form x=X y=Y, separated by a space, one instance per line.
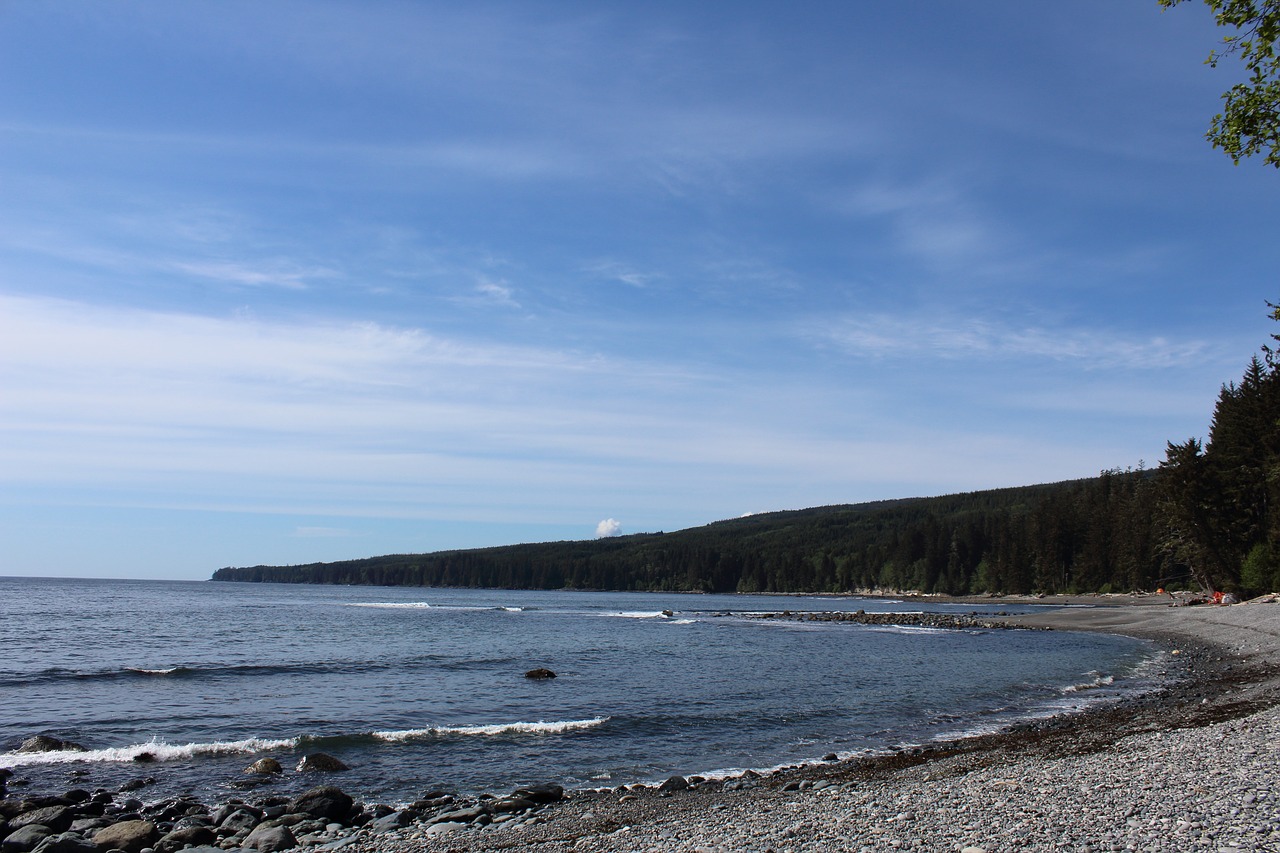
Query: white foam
x=909 y=629
x=641 y=614
x=496 y=729
x=159 y=750
x=393 y=605
x=1099 y=680
x=170 y=671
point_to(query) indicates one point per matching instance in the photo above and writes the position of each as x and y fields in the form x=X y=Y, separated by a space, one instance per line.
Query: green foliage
x=1260 y=572
x=1218 y=508
x=1249 y=123
x=1082 y=532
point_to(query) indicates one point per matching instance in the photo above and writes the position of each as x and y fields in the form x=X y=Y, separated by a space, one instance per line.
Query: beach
x=1192 y=768
x=1189 y=765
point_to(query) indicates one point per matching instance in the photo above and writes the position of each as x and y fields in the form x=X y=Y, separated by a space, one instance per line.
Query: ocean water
x=422 y=689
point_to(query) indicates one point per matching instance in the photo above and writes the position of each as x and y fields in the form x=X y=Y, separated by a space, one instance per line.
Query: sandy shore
x=1194 y=767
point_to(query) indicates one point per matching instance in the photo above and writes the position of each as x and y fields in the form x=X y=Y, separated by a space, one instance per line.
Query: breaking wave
x=540 y=728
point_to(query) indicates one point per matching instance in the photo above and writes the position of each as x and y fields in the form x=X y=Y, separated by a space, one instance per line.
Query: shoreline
x=1228 y=678
x=1231 y=689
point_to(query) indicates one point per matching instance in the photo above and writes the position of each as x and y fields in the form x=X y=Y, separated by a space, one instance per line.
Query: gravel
x=1193 y=768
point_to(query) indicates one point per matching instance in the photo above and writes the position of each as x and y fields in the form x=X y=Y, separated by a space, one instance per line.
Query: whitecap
x=1099 y=680
x=158 y=750
x=495 y=729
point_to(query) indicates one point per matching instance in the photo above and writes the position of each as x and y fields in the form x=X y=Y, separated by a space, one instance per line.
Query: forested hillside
x=1206 y=518
x=1080 y=535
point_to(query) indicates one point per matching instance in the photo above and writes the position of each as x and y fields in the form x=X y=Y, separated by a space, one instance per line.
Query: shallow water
x=418 y=689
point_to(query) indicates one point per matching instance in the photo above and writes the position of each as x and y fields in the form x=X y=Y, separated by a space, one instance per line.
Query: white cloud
x=608 y=528
x=891 y=336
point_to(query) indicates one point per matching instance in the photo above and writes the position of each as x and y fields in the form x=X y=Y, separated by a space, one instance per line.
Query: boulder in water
x=44 y=743
x=539 y=673
x=264 y=767
x=320 y=762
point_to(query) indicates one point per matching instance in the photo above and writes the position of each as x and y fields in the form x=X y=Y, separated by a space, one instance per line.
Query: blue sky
x=292 y=282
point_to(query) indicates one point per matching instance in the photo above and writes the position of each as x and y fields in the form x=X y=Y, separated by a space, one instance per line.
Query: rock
x=675 y=783
x=25 y=839
x=130 y=836
x=512 y=804
x=144 y=758
x=57 y=818
x=44 y=743
x=270 y=838
x=239 y=822
x=443 y=828
x=460 y=816
x=264 y=766
x=193 y=836
x=547 y=793
x=320 y=762
x=540 y=673
x=135 y=784
x=66 y=842
x=392 y=822
x=325 y=802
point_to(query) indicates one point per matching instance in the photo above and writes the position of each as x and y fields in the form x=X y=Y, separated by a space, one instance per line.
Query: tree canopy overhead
x=1249 y=123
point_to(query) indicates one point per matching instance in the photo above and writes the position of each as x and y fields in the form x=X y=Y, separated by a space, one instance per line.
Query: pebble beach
x=1190 y=766
x=1194 y=768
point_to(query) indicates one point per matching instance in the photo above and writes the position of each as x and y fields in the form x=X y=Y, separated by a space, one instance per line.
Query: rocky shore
x=1195 y=766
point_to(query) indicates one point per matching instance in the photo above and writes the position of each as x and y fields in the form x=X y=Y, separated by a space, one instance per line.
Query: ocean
x=424 y=689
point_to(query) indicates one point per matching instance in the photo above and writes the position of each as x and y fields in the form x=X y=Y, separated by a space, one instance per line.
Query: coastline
x=1191 y=766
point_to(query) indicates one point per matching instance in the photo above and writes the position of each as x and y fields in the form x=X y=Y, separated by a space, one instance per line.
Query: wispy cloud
x=890 y=336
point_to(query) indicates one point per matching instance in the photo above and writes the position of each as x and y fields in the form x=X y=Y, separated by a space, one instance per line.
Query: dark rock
x=264 y=766
x=267 y=839
x=548 y=793
x=393 y=821
x=675 y=783
x=830 y=756
x=145 y=758
x=67 y=842
x=57 y=818
x=540 y=673
x=137 y=783
x=320 y=762
x=194 y=836
x=44 y=743
x=433 y=802
x=77 y=795
x=512 y=804
x=130 y=836
x=461 y=815
x=324 y=802
x=239 y=821
x=25 y=839
x=89 y=825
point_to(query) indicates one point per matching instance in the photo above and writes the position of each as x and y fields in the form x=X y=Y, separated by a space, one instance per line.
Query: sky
x=291 y=282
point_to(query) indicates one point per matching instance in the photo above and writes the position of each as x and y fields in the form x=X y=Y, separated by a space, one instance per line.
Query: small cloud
x=608 y=527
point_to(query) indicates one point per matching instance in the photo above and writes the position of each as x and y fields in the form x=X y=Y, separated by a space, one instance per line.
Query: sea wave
x=158 y=750
x=540 y=728
x=1098 y=680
